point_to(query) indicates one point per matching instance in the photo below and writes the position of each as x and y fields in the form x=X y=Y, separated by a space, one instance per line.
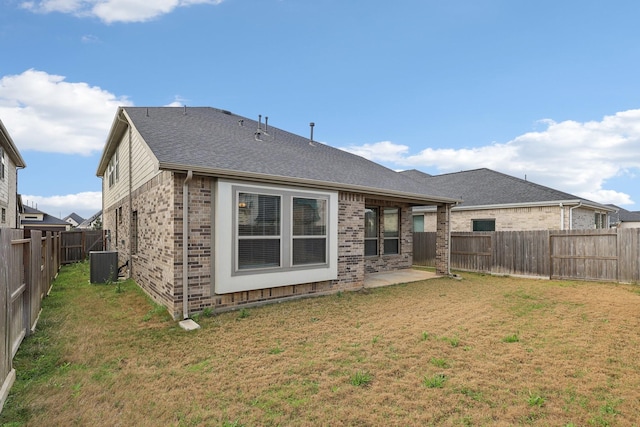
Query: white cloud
x=385 y=151
x=84 y=204
x=110 y=11
x=570 y=156
x=178 y=101
x=43 y=112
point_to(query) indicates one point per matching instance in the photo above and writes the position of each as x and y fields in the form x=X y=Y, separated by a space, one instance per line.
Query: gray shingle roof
x=624 y=215
x=482 y=187
x=9 y=146
x=209 y=139
x=77 y=218
x=46 y=218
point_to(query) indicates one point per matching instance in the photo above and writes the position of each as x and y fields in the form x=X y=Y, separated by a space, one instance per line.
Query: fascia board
x=222 y=173
x=553 y=203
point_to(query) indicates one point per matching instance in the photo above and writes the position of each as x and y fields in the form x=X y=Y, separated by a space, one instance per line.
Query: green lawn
x=478 y=351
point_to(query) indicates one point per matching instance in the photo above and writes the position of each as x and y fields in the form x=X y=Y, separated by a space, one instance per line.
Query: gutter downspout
x=561 y=216
x=185 y=245
x=571 y=215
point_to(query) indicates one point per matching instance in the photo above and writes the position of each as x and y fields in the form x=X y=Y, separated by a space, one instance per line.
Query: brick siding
x=157 y=262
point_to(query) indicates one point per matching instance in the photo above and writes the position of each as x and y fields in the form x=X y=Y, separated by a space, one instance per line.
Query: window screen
x=309 y=231
x=258 y=231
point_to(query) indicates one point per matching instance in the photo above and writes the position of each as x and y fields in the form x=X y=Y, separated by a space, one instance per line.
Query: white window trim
x=228 y=280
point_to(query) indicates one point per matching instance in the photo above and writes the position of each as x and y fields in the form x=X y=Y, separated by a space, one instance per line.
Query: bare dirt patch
x=480 y=351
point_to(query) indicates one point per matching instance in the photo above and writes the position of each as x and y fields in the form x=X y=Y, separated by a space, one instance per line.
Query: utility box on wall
x=103 y=266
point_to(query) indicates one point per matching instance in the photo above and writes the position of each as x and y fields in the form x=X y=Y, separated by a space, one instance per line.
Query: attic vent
x=258 y=135
x=241 y=122
x=311 y=125
x=227 y=112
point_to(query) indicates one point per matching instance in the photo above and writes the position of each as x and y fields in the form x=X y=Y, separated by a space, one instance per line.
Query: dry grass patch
x=438 y=352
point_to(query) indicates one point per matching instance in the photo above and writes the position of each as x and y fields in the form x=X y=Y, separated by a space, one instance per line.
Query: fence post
x=7 y=373
x=27 y=298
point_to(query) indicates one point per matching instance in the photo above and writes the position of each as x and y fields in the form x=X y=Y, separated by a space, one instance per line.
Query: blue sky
x=546 y=89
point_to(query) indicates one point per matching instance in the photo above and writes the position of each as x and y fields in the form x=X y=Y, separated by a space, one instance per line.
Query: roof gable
x=12 y=151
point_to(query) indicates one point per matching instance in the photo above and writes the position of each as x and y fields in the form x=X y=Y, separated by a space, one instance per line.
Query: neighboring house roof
x=485 y=187
x=624 y=215
x=46 y=218
x=10 y=148
x=73 y=216
x=88 y=223
x=219 y=143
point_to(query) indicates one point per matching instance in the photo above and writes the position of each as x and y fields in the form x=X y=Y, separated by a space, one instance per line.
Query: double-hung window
x=2 y=164
x=309 y=235
x=391 y=231
x=371 y=231
x=113 y=170
x=259 y=231
x=274 y=236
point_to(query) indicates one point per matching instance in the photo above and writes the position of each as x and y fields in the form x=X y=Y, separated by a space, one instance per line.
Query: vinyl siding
x=8 y=192
x=145 y=168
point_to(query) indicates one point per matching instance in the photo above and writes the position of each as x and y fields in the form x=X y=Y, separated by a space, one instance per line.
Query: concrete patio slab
x=375 y=280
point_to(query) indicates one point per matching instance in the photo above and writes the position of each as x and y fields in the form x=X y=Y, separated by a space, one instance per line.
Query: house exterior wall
x=521 y=218
x=144 y=221
x=153 y=257
x=629 y=224
x=157 y=260
x=145 y=169
x=8 y=194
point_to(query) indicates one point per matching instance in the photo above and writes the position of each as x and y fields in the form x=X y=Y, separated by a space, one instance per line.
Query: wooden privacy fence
x=604 y=255
x=30 y=262
x=76 y=244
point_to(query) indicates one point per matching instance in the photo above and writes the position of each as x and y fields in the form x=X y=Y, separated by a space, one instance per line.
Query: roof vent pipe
x=259 y=121
x=266 y=124
x=241 y=122
x=184 y=112
x=147 y=112
x=311 y=125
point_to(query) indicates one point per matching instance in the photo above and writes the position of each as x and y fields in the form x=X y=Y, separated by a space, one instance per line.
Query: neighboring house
x=93 y=222
x=623 y=218
x=230 y=211
x=10 y=162
x=33 y=219
x=74 y=219
x=493 y=201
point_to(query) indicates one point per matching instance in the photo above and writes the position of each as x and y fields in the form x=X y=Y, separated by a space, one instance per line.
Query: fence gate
x=584 y=255
x=472 y=251
x=76 y=244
